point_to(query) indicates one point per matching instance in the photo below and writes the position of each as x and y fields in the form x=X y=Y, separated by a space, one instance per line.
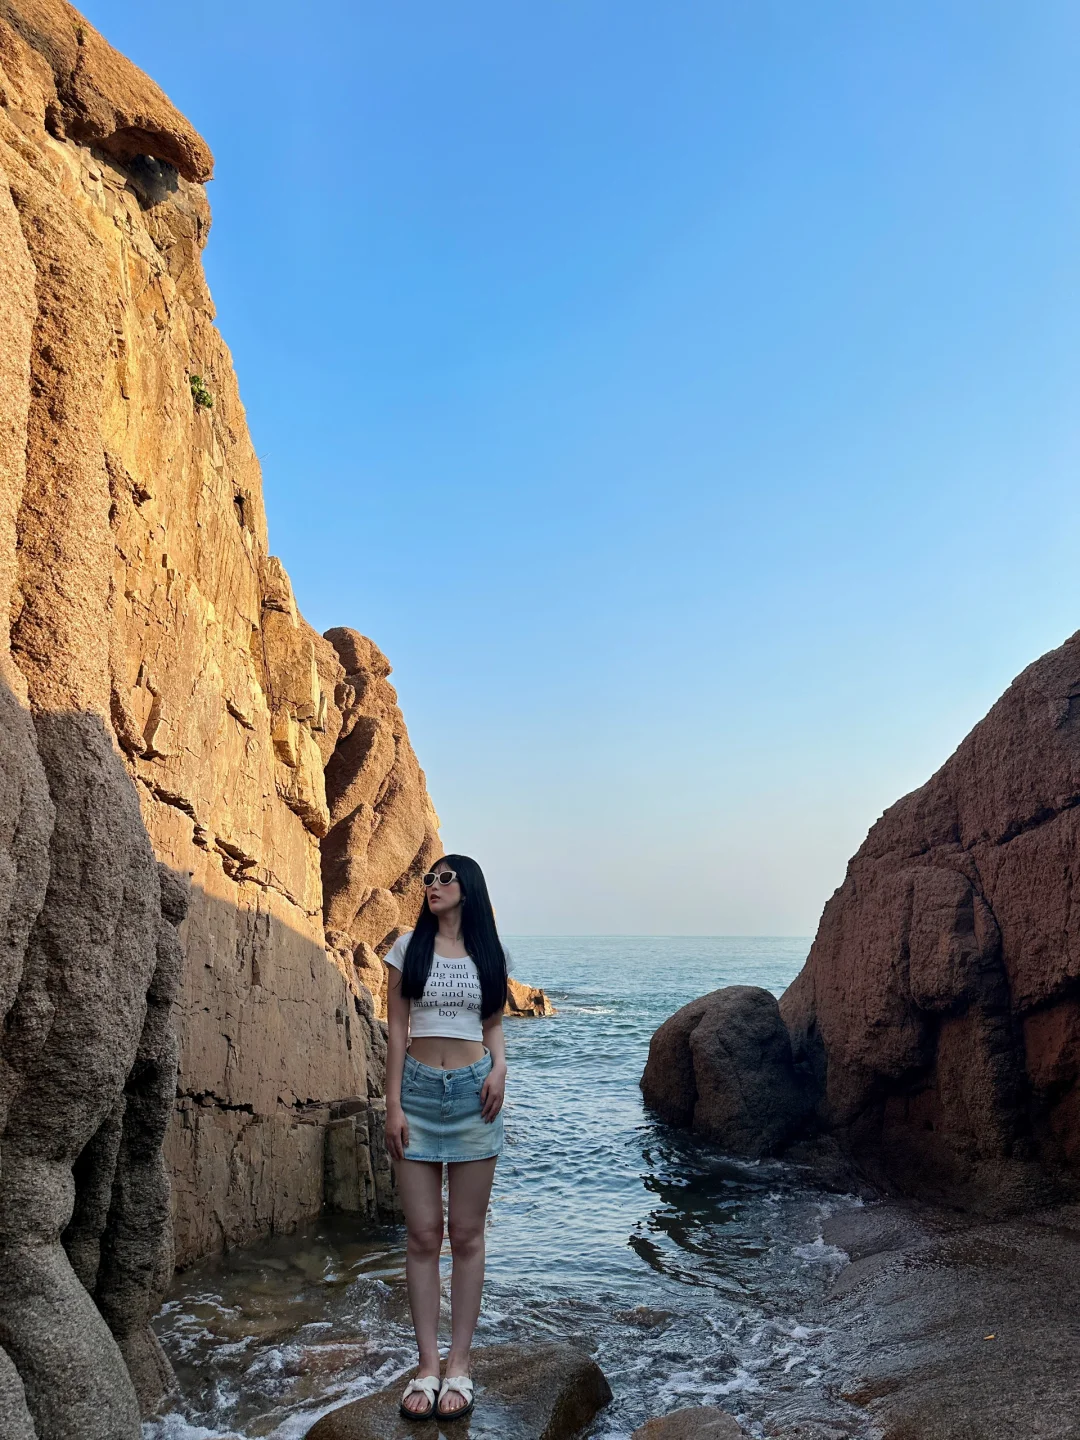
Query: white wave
x=688 y=1383
x=818 y=1253
x=174 y=1427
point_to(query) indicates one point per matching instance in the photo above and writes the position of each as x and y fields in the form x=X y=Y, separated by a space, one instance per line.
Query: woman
x=445 y=1081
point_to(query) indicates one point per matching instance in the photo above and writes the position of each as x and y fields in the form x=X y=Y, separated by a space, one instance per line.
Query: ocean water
x=689 y=1274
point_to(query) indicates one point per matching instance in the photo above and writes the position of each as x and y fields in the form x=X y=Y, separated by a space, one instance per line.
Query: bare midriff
x=442 y=1052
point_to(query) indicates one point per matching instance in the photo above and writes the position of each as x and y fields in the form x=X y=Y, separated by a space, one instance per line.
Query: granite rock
x=966 y=1326
x=15 y=1421
x=939 y=1008
x=167 y=716
x=523 y=1392
x=384 y=832
x=522 y=999
x=935 y=1026
x=722 y=1066
x=704 y=1422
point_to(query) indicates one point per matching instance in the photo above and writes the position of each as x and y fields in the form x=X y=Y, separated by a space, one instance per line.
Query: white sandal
x=426 y=1385
x=460 y=1385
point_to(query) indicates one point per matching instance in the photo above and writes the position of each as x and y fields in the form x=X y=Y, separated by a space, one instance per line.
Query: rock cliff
x=935 y=1028
x=169 y=722
x=939 y=1008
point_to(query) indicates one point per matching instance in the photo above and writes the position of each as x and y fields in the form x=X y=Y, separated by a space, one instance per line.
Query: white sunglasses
x=444 y=877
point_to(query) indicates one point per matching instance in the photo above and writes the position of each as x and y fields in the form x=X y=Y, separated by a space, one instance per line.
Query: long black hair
x=478 y=935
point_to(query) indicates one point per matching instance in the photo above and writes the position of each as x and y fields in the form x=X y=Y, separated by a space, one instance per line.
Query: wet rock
x=523 y=1392
x=706 y=1422
x=645 y=1317
x=966 y=1329
x=722 y=1066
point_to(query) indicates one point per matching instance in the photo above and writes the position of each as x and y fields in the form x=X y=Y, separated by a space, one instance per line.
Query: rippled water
x=689 y=1274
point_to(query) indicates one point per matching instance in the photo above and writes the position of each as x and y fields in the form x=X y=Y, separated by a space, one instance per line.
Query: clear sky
x=684 y=395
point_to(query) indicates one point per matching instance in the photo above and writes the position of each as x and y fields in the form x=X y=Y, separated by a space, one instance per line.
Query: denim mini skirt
x=443 y=1111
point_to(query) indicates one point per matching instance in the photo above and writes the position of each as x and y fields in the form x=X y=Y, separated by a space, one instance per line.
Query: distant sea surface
x=686 y=1272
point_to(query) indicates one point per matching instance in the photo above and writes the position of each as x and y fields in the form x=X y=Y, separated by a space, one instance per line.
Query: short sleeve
x=395 y=956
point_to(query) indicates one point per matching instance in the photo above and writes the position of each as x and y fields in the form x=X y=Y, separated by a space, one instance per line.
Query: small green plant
x=200 y=394
x=80 y=34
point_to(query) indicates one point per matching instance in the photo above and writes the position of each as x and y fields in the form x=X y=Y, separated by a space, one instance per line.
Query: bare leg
x=420 y=1187
x=470 y=1190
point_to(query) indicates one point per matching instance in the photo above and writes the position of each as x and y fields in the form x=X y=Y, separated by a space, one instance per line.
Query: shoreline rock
x=939 y=1008
x=966 y=1328
x=526 y=1000
x=722 y=1067
x=169 y=721
x=935 y=1026
x=523 y=1392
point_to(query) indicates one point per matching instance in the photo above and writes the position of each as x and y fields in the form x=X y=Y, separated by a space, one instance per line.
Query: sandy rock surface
x=523 y=1392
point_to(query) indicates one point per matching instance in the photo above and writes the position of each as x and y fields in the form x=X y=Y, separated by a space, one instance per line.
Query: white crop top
x=450 y=1005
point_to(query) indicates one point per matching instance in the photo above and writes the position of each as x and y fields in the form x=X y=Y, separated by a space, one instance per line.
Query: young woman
x=445 y=1080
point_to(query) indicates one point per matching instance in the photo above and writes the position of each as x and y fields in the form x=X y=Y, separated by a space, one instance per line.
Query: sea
x=691 y=1276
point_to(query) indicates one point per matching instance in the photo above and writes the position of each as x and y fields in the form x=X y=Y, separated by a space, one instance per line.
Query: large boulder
x=940 y=1004
x=722 y=1066
x=523 y=1392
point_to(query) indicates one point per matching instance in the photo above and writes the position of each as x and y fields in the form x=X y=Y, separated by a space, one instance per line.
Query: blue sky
x=683 y=395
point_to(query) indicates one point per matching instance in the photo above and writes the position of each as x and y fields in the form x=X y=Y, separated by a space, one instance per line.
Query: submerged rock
x=704 y=1422
x=523 y=1392
x=722 y=1066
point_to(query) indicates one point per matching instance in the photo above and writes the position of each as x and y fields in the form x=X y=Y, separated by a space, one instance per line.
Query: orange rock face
x=940 y=1005
x=522 y=999
x=167 y=719
x=383 y=832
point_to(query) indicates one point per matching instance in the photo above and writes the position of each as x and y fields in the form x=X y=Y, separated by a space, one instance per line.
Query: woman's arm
x=397 y=1016
x=494 y=1091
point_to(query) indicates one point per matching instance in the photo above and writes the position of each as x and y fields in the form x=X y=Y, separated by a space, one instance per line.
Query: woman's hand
x=493 y=1093
x=397 y=1130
